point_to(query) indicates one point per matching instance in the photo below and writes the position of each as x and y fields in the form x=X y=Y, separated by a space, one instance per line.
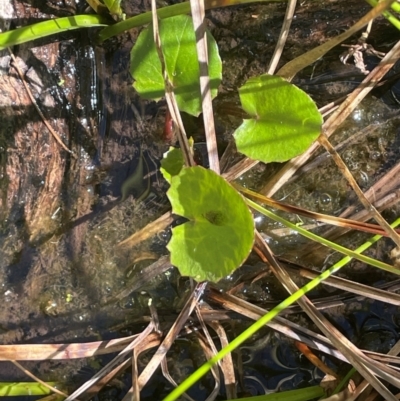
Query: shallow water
x=61 y=216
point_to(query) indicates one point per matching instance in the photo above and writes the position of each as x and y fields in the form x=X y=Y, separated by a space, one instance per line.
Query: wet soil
x=61 y=215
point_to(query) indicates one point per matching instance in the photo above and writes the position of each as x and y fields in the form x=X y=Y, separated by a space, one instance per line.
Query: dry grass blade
x=148 y=231
x=290 y=69
x=364 y=365
x=226 y=363
x=353 y=183
x=106 y=379
x=287 y=327
x=167 y=375
x=209 y=353
x=395 y=350
x=373 y=78
x=379 y=194
x=317 y=362
x=337 y=221
x=198 y=14
x=279 y=324
x=354 y=140
x=164 y=364
x=290 y=8
x=36 y=379
x=378 y=191
x=354 y=99
x=209 y=350
x=142 y=337
x=347 y=285
x=40 y=352
x=134 y=391
x=169 y=94
x=171 y=335
x=135 y=377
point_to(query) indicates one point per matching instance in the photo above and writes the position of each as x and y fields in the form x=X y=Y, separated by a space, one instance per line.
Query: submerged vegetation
x=177 y=58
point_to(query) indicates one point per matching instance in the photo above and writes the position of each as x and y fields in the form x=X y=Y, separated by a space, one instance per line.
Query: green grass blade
x=165 y=12
x=325 y=242
x=142 y=19
x=241 y=338
x=24 y=388
x=50 y=27
x=389 y=16
x=344 y=381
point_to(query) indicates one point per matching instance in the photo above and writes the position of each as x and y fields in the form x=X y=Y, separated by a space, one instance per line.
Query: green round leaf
x=172 y=163
x=285 y=120
x=178 y=44
x=220 y=232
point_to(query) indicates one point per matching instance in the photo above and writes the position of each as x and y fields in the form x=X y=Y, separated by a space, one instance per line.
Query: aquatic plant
x=283 y=122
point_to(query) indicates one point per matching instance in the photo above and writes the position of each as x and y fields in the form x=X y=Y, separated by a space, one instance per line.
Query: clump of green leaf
x=178 y=44
x=285 y=120
x=220 y=232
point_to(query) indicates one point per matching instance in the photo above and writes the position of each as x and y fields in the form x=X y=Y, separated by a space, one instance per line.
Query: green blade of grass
x=24 y=388
x=245 y=335
x=344 y=381
x=50 y=27
x=165 y=12
x=389 y=16
x=325 y=242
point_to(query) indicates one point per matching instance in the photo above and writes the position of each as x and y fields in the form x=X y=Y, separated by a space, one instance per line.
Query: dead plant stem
x=368 y=368
x=354 y=99
x=198 y=15
x=323 y=140
x=290 y=8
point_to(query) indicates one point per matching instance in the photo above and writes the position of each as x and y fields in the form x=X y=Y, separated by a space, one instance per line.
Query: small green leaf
x=172 y=163
x=179 y=48
x=220 y=232
x=114 y=7
x=285 y=120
